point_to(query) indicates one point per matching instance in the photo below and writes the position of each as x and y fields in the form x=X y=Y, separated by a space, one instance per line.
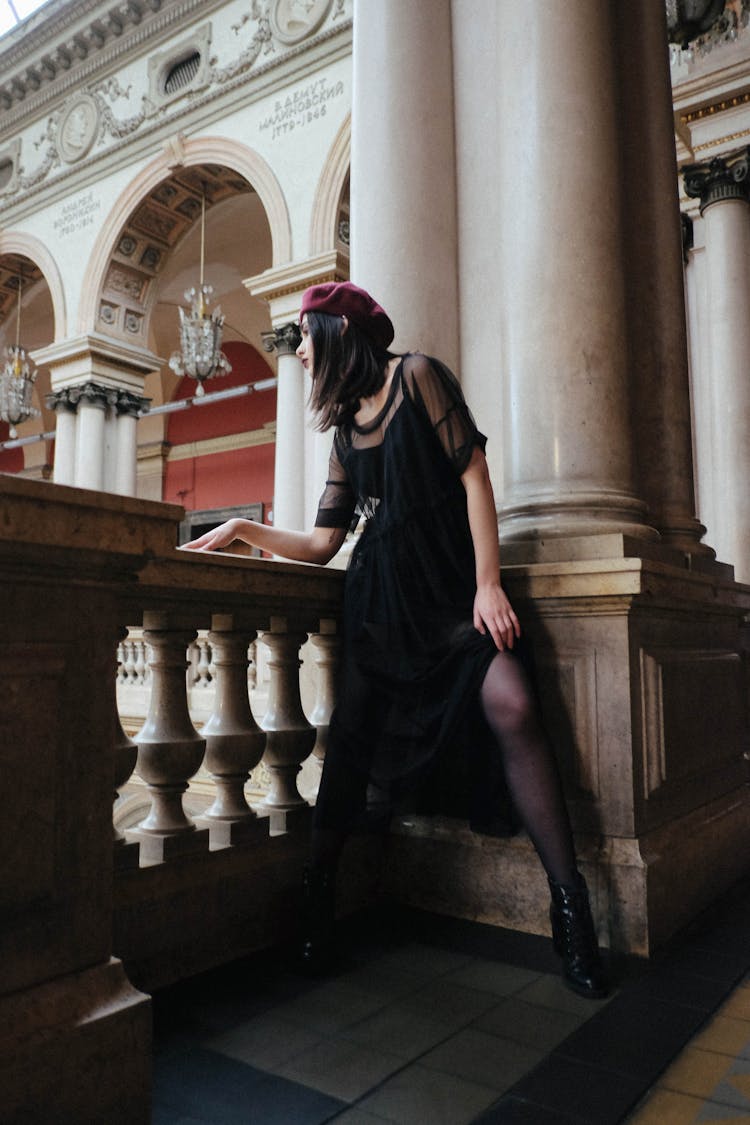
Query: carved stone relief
x=88 y=120
x=9 y=167
x=78 y=127
x=125 y=281
x=293 y=20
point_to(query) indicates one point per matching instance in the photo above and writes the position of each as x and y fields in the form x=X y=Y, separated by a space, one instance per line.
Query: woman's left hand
x=493 y=613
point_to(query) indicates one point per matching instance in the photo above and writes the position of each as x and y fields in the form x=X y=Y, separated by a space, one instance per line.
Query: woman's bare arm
x=316 y=546
x=492 y=610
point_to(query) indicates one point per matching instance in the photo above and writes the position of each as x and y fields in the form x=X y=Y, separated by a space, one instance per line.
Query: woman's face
x=305 y=349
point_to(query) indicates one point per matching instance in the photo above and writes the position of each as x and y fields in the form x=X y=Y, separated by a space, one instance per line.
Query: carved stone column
x=289 y=736
x=101 y=380
x=282 y=288
x=128 y=409
x=125 y=756
x=234 y=741
x=403 y=188
x=289 y=469
x=723 y=187
x=93 y=404
x=170 y=750
x=65 y=437
x=561 y=315
x=655 y=297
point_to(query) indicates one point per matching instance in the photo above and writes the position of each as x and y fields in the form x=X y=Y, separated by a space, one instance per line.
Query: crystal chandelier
x=17 y=379
x=200 y=354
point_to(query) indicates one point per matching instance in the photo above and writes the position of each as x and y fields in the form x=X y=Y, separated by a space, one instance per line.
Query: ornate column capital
x=132 y=404
x=60 y=402
x=718 y=179
x=284 y=340
x=94 y=394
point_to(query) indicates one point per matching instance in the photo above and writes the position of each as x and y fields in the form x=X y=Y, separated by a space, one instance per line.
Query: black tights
x=529 y=764
x=530 y=771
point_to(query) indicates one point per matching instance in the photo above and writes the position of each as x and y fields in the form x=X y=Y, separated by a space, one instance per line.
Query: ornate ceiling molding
x=69 y=47
x=76 y=132
x=80 y=39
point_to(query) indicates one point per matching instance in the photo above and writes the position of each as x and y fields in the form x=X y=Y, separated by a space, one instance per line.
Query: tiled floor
x=438 y=1022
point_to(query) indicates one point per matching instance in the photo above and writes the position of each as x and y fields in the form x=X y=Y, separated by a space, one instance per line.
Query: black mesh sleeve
x=436 y=390
x=338 y=502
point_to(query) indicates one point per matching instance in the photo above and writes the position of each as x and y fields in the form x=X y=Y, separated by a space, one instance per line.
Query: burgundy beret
x=343 y=298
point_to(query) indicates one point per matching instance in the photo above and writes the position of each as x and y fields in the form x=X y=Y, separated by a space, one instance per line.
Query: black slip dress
x=412 y=660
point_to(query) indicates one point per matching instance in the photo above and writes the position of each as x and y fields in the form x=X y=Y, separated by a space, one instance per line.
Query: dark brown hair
x=347 y=366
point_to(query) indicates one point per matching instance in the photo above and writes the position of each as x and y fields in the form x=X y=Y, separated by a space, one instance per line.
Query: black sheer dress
x=412 y=661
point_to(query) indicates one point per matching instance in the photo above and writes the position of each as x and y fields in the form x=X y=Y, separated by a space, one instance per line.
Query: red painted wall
x=11 y=460
x=242 y=476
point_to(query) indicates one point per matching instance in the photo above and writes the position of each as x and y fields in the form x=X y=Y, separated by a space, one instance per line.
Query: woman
x=428 y=630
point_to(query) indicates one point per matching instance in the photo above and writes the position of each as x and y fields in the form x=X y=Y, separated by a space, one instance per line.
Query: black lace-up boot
x=318 y=948
x=574 y=938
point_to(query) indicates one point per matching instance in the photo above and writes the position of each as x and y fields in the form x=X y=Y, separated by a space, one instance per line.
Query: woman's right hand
x=217 y=538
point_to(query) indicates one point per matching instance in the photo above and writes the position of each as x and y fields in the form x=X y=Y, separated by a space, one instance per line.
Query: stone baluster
x=234 y=741
x=252 y=667
x=326 y=651
x=126 y=753
x=203 y=670
x=289 y=736
x=140 y=661
x=123 y=673
x=170 y=749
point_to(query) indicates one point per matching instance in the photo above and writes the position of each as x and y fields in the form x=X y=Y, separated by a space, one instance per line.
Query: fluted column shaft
x=65 y=443
x=657 y=331
x=723 y=188
x=129 y=408
x=403 y=195
x=561 y=313
x=92 y=420
x=289 y=468
x=100 y=381
x=96 y=442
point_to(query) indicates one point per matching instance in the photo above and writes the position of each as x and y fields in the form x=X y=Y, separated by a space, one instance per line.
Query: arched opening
x=221 y=455
x=37 y=329
x=156 y=258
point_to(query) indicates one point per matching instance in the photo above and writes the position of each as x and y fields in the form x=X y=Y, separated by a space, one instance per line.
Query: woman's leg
x=534 y=783
x=341 y=798
x=530 y=767
x=326 y=846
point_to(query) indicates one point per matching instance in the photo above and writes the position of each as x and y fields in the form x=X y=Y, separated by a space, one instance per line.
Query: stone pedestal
x=642 y=669
x=77 y=1049
x=74 y=1035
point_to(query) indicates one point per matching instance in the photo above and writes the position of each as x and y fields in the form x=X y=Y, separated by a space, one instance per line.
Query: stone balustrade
x=98 y=603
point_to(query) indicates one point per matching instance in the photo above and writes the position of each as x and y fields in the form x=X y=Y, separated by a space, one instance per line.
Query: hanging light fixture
x=17 y=379
x=200 y=354
x=687 y=19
